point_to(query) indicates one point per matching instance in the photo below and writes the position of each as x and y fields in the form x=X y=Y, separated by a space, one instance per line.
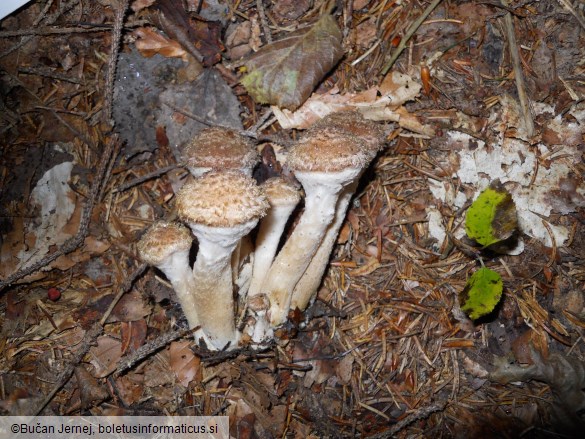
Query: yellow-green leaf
x=286 y=72
x=481 y=294
x=492 y=216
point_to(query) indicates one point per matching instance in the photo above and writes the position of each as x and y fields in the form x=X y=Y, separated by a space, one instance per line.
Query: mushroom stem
x=166 y=246
x=283 y=199
x=178 y=271
x=306 y=289
x=212 y=276
x=267 y=241
x=322 y=190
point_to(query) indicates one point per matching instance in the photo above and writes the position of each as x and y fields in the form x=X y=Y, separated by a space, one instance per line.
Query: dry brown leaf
x=285 y=72
x=105 y=356
x=157 y=372
x=91 y=392
x=133 y=335
x=139 y=5
x=130 y=387
x=380 y=103
x=185 y=364
x=131 y=307
x=150 y=42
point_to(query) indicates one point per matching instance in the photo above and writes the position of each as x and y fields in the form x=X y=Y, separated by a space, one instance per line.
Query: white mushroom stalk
x=351 y=123
x=220 y=208
x=325 y=163
x=166 y=246
x=283 y=198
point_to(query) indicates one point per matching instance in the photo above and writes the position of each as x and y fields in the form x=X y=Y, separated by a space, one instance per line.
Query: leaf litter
x=386 y=350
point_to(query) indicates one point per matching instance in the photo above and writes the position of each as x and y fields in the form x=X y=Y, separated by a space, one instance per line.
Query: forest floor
x=385 y=350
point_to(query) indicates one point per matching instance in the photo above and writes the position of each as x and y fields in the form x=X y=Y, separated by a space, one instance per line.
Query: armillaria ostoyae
x=283 y=197
x=220 y=208
x=221 y=148
x=325 y=163
x=166 y=246
x=351 y=123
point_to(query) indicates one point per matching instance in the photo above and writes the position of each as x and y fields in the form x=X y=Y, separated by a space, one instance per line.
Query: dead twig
x=48 y=73
x=63 y=7
x=422 y=413
x=409 y=33
x=112 y=61
x=53 y=31
x=567 y=5
x=518 y=74
x=144 y=351
x=88 y=340
x=263 y=21
x=146 y=177
x=123 y=290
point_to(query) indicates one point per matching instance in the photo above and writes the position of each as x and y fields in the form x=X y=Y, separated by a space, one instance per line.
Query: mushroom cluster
x=240 y=289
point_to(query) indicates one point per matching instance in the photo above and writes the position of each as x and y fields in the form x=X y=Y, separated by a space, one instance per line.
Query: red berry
x=54 y=294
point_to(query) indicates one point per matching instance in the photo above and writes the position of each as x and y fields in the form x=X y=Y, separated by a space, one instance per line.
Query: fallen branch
x=146 y=177
x=112 y=61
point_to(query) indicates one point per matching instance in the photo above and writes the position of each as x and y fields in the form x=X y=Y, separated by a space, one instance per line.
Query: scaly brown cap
x=221 y=199
x=220 y=148
x=328 y=150
x=352 y=123
x=280 y=193
x=163 y=239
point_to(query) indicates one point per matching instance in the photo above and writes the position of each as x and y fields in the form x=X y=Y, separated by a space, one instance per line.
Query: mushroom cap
x=220 y=148
x=328 y=150
x=221 y=199
x=353 y=123
x=163 y=239
x=279 y=192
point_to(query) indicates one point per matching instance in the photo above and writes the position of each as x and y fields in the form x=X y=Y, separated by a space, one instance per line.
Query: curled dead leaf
x=285 y=72
x=150 y=42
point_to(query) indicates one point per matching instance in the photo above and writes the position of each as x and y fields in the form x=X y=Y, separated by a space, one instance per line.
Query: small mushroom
x=166 y=246
x=218 y=148
x=351 y=123
x=220 y=208
x=324 y=163
x=283 y=198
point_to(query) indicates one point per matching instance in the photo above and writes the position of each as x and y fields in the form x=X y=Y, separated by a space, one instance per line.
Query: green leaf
x=492 y=216
x=481 y=294
x=286 y=72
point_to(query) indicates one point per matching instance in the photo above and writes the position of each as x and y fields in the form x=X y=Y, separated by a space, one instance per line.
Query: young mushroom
x=220 y=208
x=324 y=163
x=352 y=123
x=283 y=197
x=166 y=246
